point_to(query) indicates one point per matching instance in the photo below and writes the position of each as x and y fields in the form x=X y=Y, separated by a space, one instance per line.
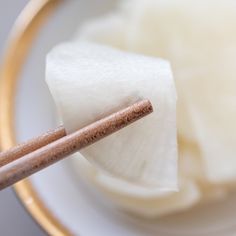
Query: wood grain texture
x=25 y=148
x=69 y=144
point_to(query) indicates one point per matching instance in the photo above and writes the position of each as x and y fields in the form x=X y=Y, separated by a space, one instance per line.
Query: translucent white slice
x=212 y=192
x=191 y=165
x=161 y=28
x=214 y=115
x=89 y=81
x=188 y=196
x=110 y=30
x=139 y=200
x=203 y=55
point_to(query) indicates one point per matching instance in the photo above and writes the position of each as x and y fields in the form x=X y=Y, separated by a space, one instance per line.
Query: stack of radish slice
x=137 y=167
x=89 y=81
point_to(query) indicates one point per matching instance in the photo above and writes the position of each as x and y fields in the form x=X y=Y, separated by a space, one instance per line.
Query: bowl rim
x=22 y=35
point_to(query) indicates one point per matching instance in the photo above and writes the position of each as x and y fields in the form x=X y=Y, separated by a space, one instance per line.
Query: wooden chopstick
x=25 y=148
x=36 y=156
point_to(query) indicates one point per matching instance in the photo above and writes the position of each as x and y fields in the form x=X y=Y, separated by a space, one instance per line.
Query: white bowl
x=61 y=202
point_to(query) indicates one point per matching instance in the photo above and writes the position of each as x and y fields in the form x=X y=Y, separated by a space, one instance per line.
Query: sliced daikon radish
x=214 y=115
x=143 y=201
x=161 y=28
x=188 y=196
x=212 y=192
x=137 y=27
x=191 y=165
x=89 y=81
x=110 y=30
x=203 y=55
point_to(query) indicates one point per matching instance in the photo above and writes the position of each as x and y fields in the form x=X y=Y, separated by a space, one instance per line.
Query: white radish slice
x=188 y=196
x=203 y=55
x=161 y=28
x=110 y=30
x=214 y=115
x=213 y=192
x=89 y=81
x=145 y=202
x=137 y=27
x=191 y=166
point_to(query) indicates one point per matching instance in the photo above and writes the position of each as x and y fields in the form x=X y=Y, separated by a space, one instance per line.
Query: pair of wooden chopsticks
x=26 y=159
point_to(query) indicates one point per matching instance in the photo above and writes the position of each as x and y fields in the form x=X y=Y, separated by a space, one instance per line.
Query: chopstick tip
x=146 y=105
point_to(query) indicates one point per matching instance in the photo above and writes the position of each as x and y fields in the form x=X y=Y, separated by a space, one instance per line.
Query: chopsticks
x=32 y=145
x=30 y=157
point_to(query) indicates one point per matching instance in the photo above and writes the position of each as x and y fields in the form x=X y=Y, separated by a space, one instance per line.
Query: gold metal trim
x=23 y=33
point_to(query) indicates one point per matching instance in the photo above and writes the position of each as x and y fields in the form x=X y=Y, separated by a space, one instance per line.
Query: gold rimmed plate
x=60 y=201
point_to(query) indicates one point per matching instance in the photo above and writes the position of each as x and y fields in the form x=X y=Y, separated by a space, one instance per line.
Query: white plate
x=74 y=203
